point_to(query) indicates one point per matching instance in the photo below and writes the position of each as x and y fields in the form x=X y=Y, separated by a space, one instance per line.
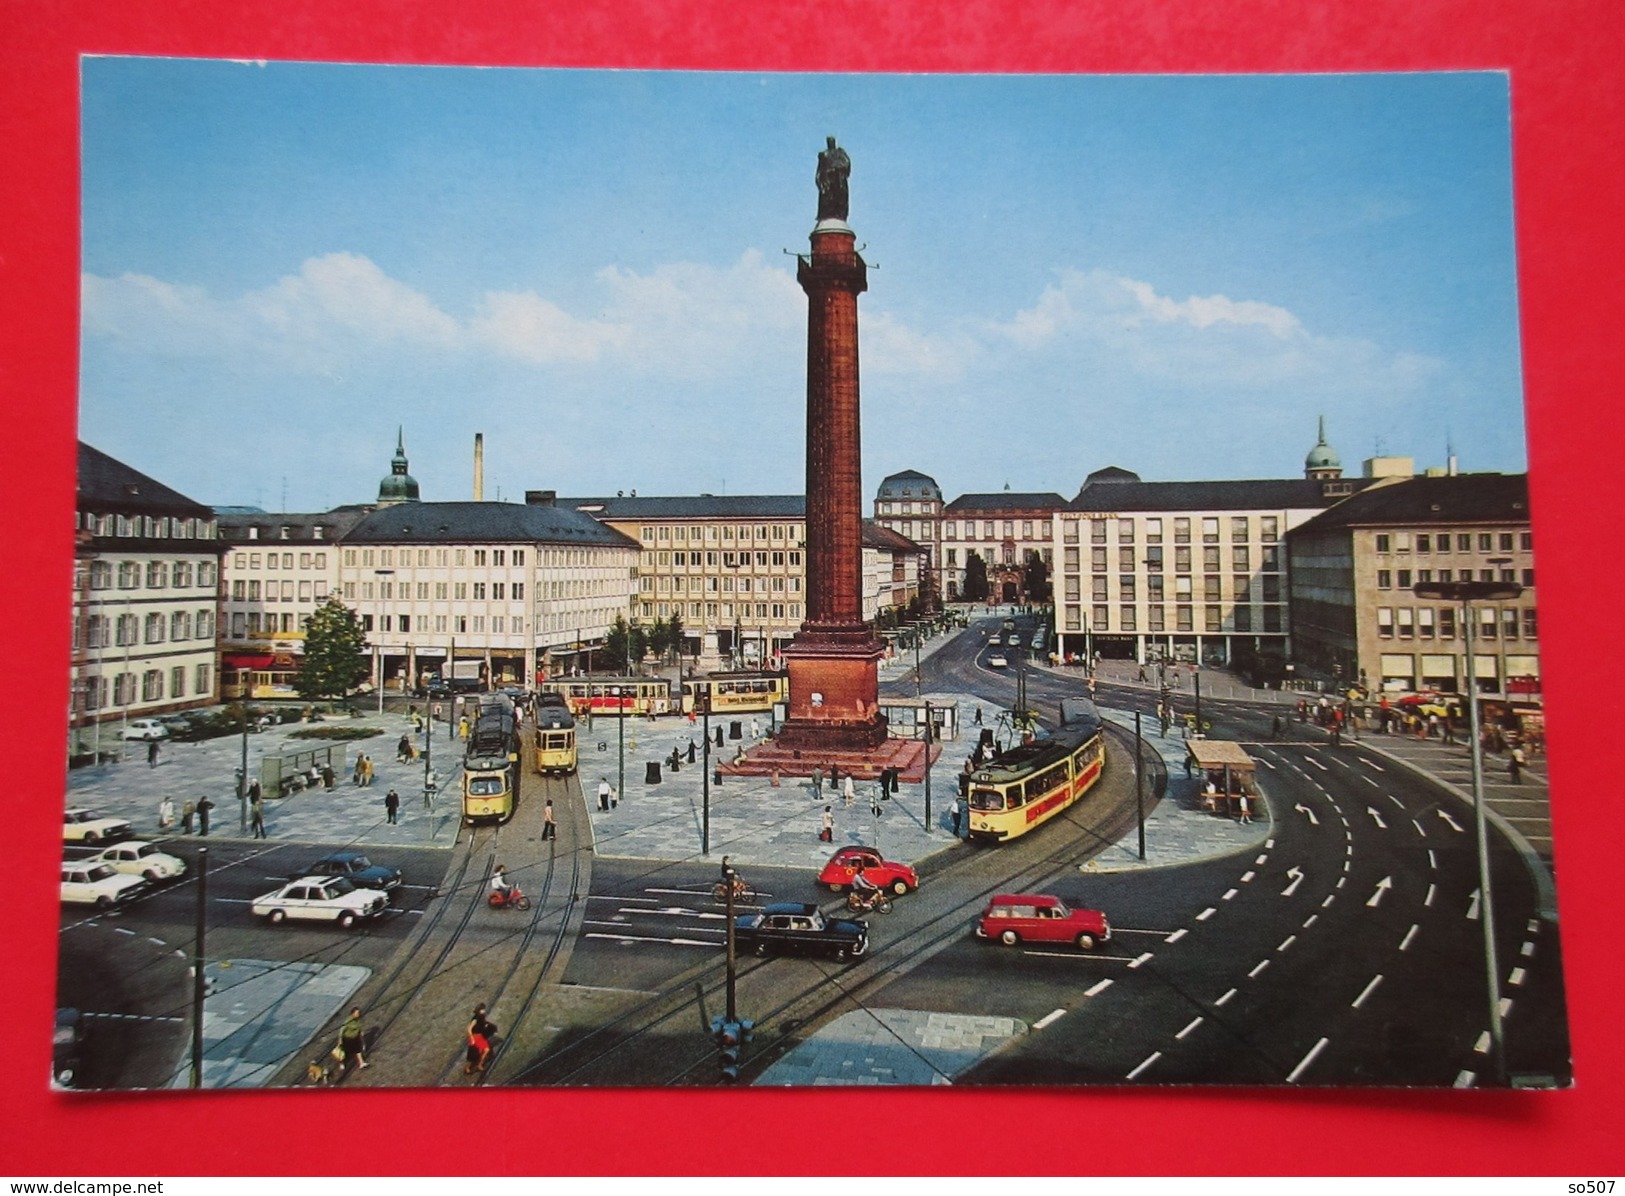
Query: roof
x=107 y=484
x=909 y=484
x=482 y=522
x=1269 y=494
x=696 y=506
x=1219 y=753
x=1112 y=473
x=876 y=536
x=1462 y=498
x=236 y=521
x=1004 y=500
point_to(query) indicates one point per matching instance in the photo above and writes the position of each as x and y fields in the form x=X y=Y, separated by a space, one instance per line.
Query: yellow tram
x=612 y=695
x=743 y=692
x=553 y=738
x=491 y=762
x=1024 y=787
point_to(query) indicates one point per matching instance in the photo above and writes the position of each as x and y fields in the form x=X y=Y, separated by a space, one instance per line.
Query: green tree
x=975 y=578
x=637 y=643
x=674 y=635
x=335 y=653
x=1035 y=578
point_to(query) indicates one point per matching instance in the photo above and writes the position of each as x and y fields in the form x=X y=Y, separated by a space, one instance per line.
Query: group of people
x=199 y=810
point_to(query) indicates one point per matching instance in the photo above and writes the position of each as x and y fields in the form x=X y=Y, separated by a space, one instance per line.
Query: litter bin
x=651 y=772
x=735 y=730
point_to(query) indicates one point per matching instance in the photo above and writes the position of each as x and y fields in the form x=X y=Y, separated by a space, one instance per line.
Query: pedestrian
x=152 y=753
x=478 y=1036
x=847 y=792
x=834 y=777
x=352 y=1040
x=755 y=729
x=186 y=818
x=549 y=829
x=977 y=721
x=392 y=806
x=1515 y=763
x=1246 y=810
x=256 y=817
x=1449 y=730
x=327 y=776
x=462 y=728
x=817 y=779
x=204 y=805
x=1142 y=673
x=1275 y=727
x=366 y=770
x=956 y=812
x=826 y=831
x=355 y=773
x=166 y=813
x=603 y=793
x=692 y=750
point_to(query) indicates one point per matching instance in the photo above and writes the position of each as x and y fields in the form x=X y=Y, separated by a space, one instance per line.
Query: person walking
x=826 y=831
x=204 y=805
x=550 y=829
x=166 y=813
x=152 y=753
x=603 y=793
x=478 y=1036
x=352 y=1041
x=366 y=771
x=359 y=769
x=1515 y=763
x=692 y=750
x=817 y=779
x=256 y=817
x=956 y=812
x=1246 y=809
x=755 y=729
x=327 y=777
x=847 y=791
x=462 y=728
x=186 y=818
x=392 y=807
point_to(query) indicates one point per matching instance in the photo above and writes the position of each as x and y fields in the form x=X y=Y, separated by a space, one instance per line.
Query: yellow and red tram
x=1026 y=786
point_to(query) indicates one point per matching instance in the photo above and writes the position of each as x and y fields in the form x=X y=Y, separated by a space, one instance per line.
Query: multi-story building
x=146 y=566
x=910 y=504
x=1001 y=529
x=1354 y=568
x=517 y=589
x=896 y=570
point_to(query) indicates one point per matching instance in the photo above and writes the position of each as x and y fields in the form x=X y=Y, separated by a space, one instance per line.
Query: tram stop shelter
x=1229 y=774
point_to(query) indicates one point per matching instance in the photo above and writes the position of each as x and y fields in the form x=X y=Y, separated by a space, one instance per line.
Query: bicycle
x=742 y=891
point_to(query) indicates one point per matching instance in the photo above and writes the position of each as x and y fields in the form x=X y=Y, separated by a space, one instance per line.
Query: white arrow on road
x=1377 y=818
x=1383 y=886
x=1297 y=879
x=1472 y=906
x=1454 y=825
x=1310 y=814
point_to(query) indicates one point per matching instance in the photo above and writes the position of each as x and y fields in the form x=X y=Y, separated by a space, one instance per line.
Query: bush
x=341 y=733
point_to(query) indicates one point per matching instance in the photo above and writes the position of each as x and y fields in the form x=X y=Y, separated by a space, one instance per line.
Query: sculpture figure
x=833 y=168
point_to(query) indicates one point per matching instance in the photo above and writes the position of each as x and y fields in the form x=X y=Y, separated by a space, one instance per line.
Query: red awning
x=246 y=660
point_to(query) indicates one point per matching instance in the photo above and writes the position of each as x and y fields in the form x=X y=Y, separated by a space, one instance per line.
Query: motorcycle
x=511 y=898
x=878 y=902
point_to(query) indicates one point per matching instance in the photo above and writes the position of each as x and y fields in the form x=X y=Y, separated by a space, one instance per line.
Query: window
x=1125 y=590
x=479 y=553
x=1215 y=618
x=1385 y=579
x=1210 y=559
x=498 y=591
x=1509 y=623
x=1406 y=621
x=1272 y=558
x=180 y=625
x=1097 y=589
x=1504 y=541
x=1099 y=618
x=1211 y=590
x=203 y=679
x=1125 y=531
x=1153 y=531
x=1529 y=623
x=1097 y=560
x=1424 y=542
x=1097 y=531
x=1244 y=618
x=1464 y=542
x=1425 y=622
x=101 y=575
x=1385 y=542
x=1239 y=558
x=1182 y=530
x=499 y=556
x=1127 y=617
x=519 y=556
x=1385 y=622
x=1485 y=542
x=1182 y=618
x=155 y=629
x=1125 y=559
x=1210 y=529
x=1447 y=623
x=1404 y=579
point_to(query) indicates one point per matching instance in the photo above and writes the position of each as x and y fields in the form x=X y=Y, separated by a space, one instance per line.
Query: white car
x=87 y=826
x=321 y=899
x=1014 y=640
x=996 y=662
x=993 y=641
x=141 y=859
x=85 y=882
x=146 y=728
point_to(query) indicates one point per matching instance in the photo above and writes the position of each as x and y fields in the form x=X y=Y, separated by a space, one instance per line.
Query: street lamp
x=1467 y=593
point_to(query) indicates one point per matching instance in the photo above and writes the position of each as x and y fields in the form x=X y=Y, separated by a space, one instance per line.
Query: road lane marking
x=1532 y=926
x=1224 y=999
x=614 y=897
x=1177 y=935
x=1482 y=1046
x=1433 y=860
x=1296 y=874
x=1506 y=1006
x=1307 y=1060
x=1270 y=843
x=1428 y=900
x=1409 y=935
x=1206 y=914
x=1517 y=977
x=1376 y=817
x=1310 y=921
x=643 y=938
x=1259 y=967
x=1383 y=886
x=1261 y=859
x=122 y=930
x=1155 y=1055
x=1317 y=764
x=1229 y=893
x=156 y=942
x=1526 y=950
x=1372 y=764
x=1372 y=781
x=1286 y=942
x=1367 y=991
x=1329 y=898
x=1087 y=955
x=1395 y=800
x=1247 y=876
x=1454 y=825
x=1472 y=907
x=1307 y=813
x=1098 y=988
x=1049 y=1019
x=1195 y=1021
x=1464 y=1079
x=1141 y=958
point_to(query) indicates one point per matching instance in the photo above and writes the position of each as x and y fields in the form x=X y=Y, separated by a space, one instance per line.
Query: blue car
x=360 y=871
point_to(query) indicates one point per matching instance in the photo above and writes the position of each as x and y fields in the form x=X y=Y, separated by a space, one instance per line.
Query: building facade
x=1354 y=568
x=146 y=602
x=910 y=504
x=1001 y=529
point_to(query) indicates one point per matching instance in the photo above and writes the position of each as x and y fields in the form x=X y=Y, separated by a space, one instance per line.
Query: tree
x=975 y=578
x=674 y=635
x=617 y=655
x=335 y=653
x=1035 y=578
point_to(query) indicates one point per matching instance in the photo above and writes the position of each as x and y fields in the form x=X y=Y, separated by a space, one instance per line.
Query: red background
x=1567 y=88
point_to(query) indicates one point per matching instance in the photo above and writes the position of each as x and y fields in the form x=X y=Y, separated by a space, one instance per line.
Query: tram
x=1024 y=787
x=613 y=695
x=553 y=738
x=491 y=762
x=742 y=692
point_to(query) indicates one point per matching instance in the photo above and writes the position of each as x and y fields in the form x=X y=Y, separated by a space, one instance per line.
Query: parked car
x=320 y=899
x=994 y=641
x=146 y=728
x=797 y=928
x=361 y=871
x=65 y=1047
x=137 y=858
x=882 y=873
x=185 y=726
x=996 y=661
x=85 y=883
x=1038 y=918
x=87 y=826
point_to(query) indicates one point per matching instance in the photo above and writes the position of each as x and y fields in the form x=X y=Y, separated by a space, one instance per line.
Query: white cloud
x=892 y=347
x=530 y=328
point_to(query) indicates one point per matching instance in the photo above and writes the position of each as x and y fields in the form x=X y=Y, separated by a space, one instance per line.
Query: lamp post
x=703 y=696
x=620 y=736
x=377 y=649
x=1467 y=593
x=928 y=730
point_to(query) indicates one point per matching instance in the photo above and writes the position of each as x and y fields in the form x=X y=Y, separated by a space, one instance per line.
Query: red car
x=883 y=873
x=1035 y=918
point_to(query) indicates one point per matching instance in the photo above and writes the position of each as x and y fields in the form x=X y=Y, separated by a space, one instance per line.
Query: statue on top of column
x=833 y=168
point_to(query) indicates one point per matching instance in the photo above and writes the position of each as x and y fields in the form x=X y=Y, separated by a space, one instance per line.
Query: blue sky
x=283 y=262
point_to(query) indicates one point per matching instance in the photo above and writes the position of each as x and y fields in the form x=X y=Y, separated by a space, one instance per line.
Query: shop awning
x=247 y=660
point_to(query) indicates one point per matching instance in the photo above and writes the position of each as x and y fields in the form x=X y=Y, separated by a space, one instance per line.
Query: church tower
x=1322 y=463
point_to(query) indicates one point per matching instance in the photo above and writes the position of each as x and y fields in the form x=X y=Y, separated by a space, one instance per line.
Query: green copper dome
x=399 y=486
x=1322 y=456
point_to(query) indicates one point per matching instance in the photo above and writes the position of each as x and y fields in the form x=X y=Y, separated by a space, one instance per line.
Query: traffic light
x=731 y=1036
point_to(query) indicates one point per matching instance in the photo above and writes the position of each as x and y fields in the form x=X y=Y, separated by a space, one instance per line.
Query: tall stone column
x=833 y=660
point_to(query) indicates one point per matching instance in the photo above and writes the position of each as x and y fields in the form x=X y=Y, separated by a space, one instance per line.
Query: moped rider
x=500 y=888
x=864 y=889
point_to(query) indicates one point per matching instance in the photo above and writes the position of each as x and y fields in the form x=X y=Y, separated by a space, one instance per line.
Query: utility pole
x=1139 y=779
x=198 y=986
x=703 y=697
x=928 y=766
